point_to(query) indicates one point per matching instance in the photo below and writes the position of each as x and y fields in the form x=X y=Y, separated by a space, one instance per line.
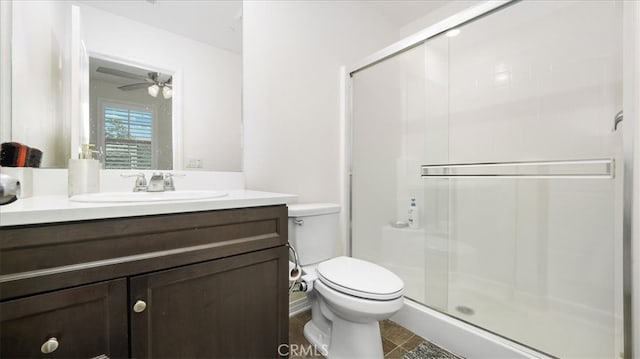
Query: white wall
x=292 y=56
x=5 y=70
x=438 y=14
x=40 y=78
x=211 y=82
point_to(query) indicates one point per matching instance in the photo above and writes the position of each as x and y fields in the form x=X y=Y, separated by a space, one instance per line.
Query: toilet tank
x=313 y=231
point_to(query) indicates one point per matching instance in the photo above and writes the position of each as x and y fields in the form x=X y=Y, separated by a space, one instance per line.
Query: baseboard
x=298 y=306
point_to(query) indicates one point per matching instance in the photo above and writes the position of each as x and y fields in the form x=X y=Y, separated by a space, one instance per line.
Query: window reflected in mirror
x=130 y=111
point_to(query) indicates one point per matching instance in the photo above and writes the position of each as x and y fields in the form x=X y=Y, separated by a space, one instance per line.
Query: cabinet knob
x=49 y=346
x=140 y=306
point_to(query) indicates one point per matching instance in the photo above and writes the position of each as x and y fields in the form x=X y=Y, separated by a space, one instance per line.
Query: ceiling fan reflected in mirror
x=153 y=82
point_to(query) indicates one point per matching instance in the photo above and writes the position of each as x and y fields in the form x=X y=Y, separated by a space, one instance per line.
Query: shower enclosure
x=504 y=132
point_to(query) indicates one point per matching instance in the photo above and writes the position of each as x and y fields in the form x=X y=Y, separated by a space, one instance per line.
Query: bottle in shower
x=414 y=216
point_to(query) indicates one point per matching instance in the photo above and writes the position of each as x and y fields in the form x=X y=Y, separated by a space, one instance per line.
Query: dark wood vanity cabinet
x=203 y=284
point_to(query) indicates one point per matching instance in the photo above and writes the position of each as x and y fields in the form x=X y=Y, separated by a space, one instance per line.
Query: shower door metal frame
x=631 y=210
x=631 y=108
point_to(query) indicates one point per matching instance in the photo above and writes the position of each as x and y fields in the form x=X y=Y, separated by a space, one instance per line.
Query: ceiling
x=219 y=22
x=214 y=22
x=402 y=12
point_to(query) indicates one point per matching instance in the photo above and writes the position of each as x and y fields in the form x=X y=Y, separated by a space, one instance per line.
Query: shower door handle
x=617 y=119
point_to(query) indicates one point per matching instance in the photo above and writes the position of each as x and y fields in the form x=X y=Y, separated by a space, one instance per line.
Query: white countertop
x=51 y=209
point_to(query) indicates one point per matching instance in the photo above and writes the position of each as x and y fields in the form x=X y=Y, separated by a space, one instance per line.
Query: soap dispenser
x=414 y=216
x=84 y=172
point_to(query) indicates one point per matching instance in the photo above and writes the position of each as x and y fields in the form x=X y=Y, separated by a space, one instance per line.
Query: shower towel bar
x=578 y=169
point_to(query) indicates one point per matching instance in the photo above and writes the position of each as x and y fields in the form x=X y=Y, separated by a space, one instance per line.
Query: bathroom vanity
x=206 y=279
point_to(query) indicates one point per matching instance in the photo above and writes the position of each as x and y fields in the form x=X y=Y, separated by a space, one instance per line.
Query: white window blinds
x=128 y=138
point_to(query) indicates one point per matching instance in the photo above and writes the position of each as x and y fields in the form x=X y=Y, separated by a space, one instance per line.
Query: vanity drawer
x=28 y=248
x=40 y=258
x=83 y=322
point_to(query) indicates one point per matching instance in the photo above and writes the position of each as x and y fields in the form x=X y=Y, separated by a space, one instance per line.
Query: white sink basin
x=119 y=197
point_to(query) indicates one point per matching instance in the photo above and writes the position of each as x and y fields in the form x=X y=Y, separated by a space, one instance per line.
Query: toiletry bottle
x=84 y=172
x=414 y=216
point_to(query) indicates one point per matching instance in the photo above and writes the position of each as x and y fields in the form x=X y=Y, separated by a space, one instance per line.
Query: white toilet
x=348 y=296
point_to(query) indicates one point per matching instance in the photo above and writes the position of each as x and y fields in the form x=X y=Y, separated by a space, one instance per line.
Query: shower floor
x=558 y=328
x=552 y=330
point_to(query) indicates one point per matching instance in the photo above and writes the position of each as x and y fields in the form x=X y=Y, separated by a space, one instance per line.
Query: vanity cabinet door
x=234 y=307
x=82 y=322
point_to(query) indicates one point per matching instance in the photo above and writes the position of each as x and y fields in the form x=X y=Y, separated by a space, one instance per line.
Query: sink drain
x=465 y=310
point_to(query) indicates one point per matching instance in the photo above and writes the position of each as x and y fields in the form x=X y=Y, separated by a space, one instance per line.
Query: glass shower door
x=504 y=134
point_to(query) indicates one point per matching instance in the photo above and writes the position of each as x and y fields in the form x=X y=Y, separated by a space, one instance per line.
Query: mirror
x=196 y=43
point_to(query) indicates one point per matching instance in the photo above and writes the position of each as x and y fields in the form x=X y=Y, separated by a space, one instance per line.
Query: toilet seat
x=360 y=278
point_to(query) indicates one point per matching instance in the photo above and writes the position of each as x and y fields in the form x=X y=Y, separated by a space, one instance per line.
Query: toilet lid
x=360 y=278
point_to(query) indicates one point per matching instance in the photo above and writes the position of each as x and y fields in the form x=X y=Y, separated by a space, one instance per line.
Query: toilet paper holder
x=295 y=272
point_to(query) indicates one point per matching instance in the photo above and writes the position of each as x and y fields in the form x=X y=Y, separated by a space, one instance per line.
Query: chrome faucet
x=168 y=182
x=141 y=181
x=158 y=182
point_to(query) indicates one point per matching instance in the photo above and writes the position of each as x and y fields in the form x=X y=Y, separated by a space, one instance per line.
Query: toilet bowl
x=348 y=296
x=345 y=322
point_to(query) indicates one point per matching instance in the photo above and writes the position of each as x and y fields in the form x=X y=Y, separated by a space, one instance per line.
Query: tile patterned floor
x=396 y=340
